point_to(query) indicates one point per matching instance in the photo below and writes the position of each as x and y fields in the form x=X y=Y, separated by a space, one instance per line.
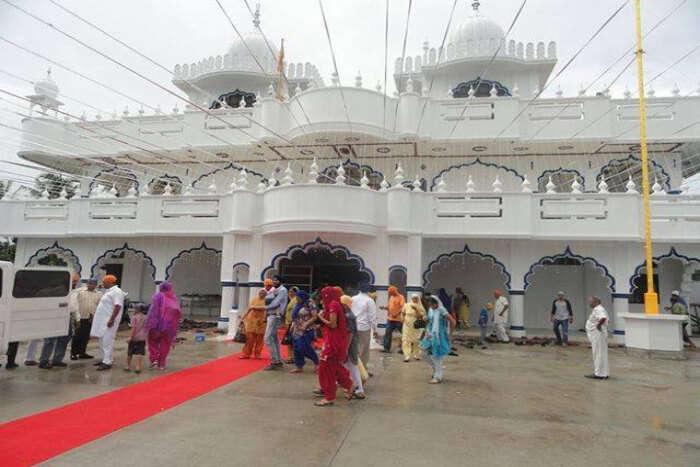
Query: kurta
x=254 y=320
x=436 y=341
x=410 y=336
x=599 y=340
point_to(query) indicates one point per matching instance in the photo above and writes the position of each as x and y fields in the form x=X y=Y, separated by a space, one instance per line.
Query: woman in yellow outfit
x=410 y=336
x=292 y=294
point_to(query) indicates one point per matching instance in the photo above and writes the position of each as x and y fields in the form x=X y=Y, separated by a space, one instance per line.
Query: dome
x=476 y=29
x=46 y=87
x=240 y=55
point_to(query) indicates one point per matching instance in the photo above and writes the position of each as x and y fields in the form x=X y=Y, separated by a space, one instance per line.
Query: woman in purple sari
x=162 y=324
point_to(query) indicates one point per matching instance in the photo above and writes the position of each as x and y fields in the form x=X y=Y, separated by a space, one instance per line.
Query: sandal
x=350 y=395
x=296 y=370
x=318 y=393
x=323 y=403
x=360 y=395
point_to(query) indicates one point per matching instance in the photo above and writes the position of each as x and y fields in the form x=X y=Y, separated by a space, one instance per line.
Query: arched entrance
x=672 y=271
x=196 y=277
x=577 y=276
x=398 y=278
x=133 y=269
x=316 y=263
x=478 y=274
x=56 y=255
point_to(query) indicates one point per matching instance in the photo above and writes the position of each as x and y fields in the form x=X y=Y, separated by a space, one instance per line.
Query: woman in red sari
x=335 y=348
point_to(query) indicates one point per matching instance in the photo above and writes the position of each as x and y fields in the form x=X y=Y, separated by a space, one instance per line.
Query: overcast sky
x=185 y=31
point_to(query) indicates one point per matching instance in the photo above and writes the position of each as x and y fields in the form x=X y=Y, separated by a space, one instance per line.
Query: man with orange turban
x=106 y=320
x=394 y=317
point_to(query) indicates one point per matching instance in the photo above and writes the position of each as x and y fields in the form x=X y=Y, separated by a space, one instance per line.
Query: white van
x=33 y=303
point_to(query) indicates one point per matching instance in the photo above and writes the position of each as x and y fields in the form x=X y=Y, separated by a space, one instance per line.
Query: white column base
x=654 y=332
x=517 y=315
x=233 y=323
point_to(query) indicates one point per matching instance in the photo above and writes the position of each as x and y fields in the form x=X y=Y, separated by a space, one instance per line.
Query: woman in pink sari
x=162 y=324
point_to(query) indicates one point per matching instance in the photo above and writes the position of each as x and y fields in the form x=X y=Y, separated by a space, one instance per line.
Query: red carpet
x=39 y=437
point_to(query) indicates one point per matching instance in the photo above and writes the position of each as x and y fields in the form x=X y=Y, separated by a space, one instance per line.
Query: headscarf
x=302 y=299
x=336 y=339
x=393 y=290
x=164 y=314
x=109 y=279
x=444 y=298
x=437 y=315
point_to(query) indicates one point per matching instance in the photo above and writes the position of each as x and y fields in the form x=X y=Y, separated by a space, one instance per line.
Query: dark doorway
x=310 y=269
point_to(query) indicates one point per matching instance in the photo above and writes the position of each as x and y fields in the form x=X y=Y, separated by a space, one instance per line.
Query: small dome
x=46 y=87
x=477 y=28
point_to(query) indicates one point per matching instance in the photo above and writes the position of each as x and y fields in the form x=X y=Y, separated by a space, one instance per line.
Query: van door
x=40 y=303
x=5 y=290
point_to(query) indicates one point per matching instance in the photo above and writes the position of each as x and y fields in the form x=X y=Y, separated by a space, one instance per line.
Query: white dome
x=46 y=87
x=241 y=59
x=476 y=29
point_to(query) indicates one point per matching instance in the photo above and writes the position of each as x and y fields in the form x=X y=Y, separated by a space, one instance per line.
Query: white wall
x=197 y=273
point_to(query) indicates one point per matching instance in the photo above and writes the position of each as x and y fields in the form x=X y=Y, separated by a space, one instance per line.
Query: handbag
x=287 y=339
x=420 y=323
x=240 y=336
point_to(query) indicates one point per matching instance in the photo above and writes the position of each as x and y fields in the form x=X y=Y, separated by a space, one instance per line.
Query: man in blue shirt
x=274 y=312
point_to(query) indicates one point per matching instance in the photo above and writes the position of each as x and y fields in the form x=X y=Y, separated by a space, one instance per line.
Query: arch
x=568 y=254
x=482 y=88
x=230 y=165
x=172 y=179
x=55 y=249
x=183 y=253
x=234 y=98
x=318 y=243
x=375 y=177
x=544 y=176
x=476 y=161
x=119 y=179
x=466 y=251
x=672 y=254
x=666 y=181
x=140 y=253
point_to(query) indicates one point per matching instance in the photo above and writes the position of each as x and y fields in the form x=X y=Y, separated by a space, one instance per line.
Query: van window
x=0 y=282
x=37 y=283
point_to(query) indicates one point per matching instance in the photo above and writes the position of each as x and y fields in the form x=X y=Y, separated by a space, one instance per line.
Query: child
x=483 y=321
x=137 y=339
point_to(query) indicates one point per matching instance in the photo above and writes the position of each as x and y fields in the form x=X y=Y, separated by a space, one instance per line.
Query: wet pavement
x=506 y=405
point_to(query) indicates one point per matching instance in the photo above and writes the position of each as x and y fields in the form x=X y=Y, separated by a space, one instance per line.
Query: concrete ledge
x=654 y=332
x=656 y=354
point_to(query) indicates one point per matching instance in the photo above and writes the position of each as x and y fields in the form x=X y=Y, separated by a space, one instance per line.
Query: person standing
x=57 y=345
x=106 y=320
x=394 y=319
x=335 y=349
x=597 y=332
x=274 y=312
x=352 y=362
x=137 y=340
x=436 y=343
x=562 y=315
x=162 y=324
x=460 y=305
x=86 y=298
x=11 y=355
x=410 y=336
x=483 y=323
x=254 y=324
x=302 y=332
x=500 y=316
x=365 y=310
x=679 y=307
x=291 y=304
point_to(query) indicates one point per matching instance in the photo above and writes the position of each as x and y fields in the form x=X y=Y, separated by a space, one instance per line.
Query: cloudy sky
x=179 y=31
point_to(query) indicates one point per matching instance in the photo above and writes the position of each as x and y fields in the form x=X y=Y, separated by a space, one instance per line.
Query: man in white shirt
x=365 y=311
x=597 y=332
x=500 y=315
x=83 y=305
x=106 y=321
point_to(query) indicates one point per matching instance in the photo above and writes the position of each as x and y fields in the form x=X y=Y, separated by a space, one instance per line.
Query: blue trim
x=547 y=173
x=56 y=246
x=469 y=164
x=241 y=263
x=230 y=165
x=381 y=325
x=125 y=247
x=256 y=284
x=672 y=253
x=618 y=332
x=466 y=250
x=516 y=292
x=348 y=163
x=399 y=267
x=621 y=295
x=223 y=319
x=202 y=247
x=381 y=288
x=228 y=284
x=130 y=175
x=666 y=183
x=319 y=243
x=517 y=328
x=569 y=254
x=414 y=288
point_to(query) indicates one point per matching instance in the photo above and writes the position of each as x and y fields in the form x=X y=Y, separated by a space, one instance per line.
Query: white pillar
x=414 y=266
x=620 y=305
x=517 y=313
x=227 y=286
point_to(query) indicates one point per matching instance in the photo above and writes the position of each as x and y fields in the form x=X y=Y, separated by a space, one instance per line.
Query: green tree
x=53 y=183
x=7 y=251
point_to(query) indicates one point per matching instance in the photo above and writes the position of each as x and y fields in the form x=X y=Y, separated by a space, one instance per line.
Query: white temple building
x=461 y=179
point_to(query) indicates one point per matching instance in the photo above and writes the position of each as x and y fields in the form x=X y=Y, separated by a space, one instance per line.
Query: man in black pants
x=11 y=355
x=86 y=301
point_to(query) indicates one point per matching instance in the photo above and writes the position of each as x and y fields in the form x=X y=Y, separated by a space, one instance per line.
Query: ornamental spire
x=476 y=5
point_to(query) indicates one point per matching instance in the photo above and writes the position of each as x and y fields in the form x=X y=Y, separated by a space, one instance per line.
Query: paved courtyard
x=505 y=406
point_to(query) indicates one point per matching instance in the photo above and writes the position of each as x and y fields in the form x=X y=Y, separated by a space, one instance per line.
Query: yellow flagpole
x=280 y=71
x=651 y=303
